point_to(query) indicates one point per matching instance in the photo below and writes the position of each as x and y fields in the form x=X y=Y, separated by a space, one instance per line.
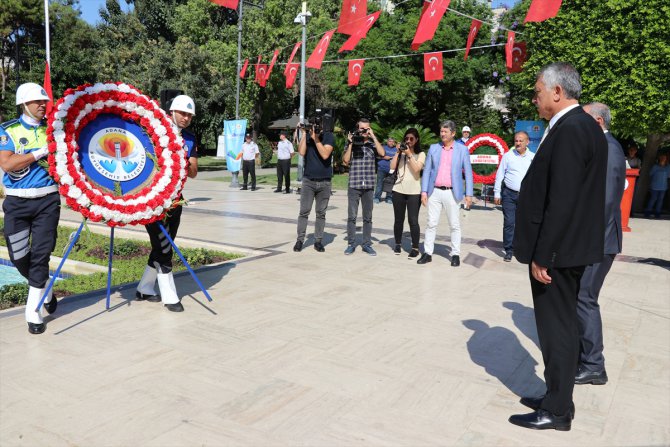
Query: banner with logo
x=233 y=132
x=534 y=129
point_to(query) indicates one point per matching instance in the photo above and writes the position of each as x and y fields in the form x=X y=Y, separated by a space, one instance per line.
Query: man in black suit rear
x=560 y=226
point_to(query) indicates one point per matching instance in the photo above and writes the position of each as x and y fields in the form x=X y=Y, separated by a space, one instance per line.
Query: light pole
x=239 y=60
x=302 y=18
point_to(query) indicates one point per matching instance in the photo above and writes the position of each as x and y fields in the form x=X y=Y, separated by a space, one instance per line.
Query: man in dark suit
x=591 y=367
x=559 y=231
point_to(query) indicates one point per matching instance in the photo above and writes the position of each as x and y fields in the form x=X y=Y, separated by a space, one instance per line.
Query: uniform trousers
x=284 y=173
x=439 y=200
x=161 y=248
x=249 y=167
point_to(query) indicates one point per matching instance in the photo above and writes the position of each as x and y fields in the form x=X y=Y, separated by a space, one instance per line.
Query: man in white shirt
x=250 y=153
x=284 y=154
x=511 y=171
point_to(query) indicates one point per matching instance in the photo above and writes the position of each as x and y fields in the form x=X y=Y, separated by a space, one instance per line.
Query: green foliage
x=265 y=149
x=124 y=247
x=13 y=295
x=426 y=136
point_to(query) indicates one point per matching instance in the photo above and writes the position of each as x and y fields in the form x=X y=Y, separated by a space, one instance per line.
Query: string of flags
x=355 y=22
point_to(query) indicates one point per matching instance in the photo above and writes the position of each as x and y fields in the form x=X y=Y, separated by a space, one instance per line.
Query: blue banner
x=116 y=153
x=233 y=132
x=534 y=129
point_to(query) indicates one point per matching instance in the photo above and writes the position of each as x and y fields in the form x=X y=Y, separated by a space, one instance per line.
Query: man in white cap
x=32 y=206
x=465 y=135
x=159 y=266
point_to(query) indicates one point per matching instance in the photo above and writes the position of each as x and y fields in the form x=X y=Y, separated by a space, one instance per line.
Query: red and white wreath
x=487 y=139
x=73 y=112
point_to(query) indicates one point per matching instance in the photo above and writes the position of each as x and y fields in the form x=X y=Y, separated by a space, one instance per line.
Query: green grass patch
x=340 y=181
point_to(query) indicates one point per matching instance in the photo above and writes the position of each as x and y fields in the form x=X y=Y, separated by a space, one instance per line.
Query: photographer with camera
x=409 y=161
x=360 y=156
x=316 y=146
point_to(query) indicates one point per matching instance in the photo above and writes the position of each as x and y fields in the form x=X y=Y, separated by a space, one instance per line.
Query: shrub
x=13 y=295
x=265 y=147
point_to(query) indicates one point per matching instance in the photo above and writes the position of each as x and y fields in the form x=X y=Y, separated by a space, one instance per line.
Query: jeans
x=249 y=166
x=284 y=173
x=509 y=199
x=655 y=202
x=411 y=203
x=365 y=196
x=311 y=192
x=378 y=188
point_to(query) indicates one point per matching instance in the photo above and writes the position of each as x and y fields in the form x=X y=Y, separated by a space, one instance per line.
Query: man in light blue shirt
x=512 y=169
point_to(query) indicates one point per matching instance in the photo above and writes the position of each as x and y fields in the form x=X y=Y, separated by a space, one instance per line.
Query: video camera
x=323 y=121
x=403 y=147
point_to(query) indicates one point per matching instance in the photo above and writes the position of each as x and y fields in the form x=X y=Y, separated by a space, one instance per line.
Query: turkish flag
x=290 y=59
x=258 y=64
x=262 y=74
x=47 y=87
x=541 y=10
x=291 y=73
x=432 y=67
x=430 y=19
x=319 y=52
x=518 y=57
x=360 y=34
x=474 y=29
x=352 y=15
x=243 y=72
x=232 y=4
x=355 y=69
x=272 y=64
x=508 y=49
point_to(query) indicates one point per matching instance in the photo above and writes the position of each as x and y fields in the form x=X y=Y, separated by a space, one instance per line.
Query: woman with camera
x=408 y=162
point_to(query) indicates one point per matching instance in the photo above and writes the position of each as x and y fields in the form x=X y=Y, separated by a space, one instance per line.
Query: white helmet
x=465 y=129
x=183 y=103
x=30 y=92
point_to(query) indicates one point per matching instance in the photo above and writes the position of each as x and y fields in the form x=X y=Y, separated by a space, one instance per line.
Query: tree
x=622 y=52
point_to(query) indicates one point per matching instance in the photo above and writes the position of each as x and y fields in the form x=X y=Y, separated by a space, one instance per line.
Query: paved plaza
x=323 y=349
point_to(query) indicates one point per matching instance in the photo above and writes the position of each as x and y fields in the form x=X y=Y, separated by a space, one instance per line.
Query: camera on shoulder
x=321 y=121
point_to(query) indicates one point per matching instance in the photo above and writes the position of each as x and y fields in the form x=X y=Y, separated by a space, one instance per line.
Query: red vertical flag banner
x=262 y=74
x=474 y=29
x=352 y=15
x=432 y=67
x=243 y=72
x=518 y=57
x=258 y=64
x=508 y=49
x=360 y=34
x=272 y=64
x=355 y=70
x=316 y=59
x=290 y=59
x=429 y=21
x=47 y=87
x=541 y=10
x=232 y=4
x=291 y=73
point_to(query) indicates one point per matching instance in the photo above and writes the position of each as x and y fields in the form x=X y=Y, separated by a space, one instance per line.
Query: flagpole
x=239 y=60
x=303 y=20
x=46 y=30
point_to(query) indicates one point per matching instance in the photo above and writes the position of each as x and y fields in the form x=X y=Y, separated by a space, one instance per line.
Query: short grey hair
x=563 y=74
x=598 y=109
x=448 y=124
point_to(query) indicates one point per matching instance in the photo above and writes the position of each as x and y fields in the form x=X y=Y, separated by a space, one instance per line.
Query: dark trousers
x=365 y=196
x=557 y=329
x=655 y=203
x=313 y=192
x=508 y=198
x=249 y=167
x=378 y=187
x=411 y=203
x=161 y=248
x=284 y=173
x=30 y=231
x=588 y=315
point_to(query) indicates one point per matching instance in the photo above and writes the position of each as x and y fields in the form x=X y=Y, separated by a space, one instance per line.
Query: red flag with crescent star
x=432 y=67
x=430 y=19
x=261 y=74
x=355 y=70
x=518 y=57
x=290 y=59
x=352 y=15
x=232 y=4
x=319 y=52
x=272 y=64
x=243 y=72
x=474 y=29
x=508 y=49
x=291 y=73
x=541 y=10
x=258 y=64
x=360 y=34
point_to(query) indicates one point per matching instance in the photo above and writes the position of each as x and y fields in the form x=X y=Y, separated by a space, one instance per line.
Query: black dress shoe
x=397 y=249
x=36 y=328
x=298 y=246
x=455 y=261
x=318 y=246
x=288 y=191
x=542 y=420
x=585 y=377
x=244 y=188
x=424 y=259
x=176 y=307
x=253 y=188
x=51 y=306
x=534 y=404
x=143 y=297
x=277 y=190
